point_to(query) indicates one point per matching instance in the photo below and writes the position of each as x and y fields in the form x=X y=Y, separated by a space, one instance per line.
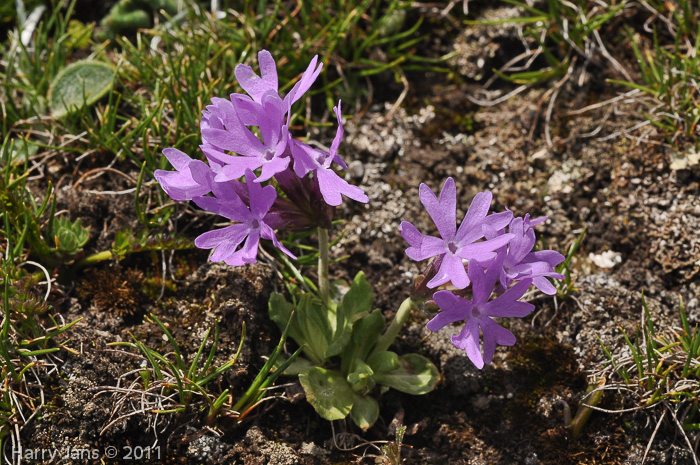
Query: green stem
x=584 y=412
x=323 y=284
x=386 y=339
x=92 y=259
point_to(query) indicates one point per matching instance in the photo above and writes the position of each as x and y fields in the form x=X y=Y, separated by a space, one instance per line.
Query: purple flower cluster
x=491 y=252
x=248 y=134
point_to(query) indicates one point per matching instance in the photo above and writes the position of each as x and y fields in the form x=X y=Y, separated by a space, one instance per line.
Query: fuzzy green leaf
x=298 y=366
x=365 y=411
x=280 y=312
x=360 y=380
x=365 y=334
x=328 y=393
x=416 y=375
x=356 y=303
x=383 y=362
x=316 y=330
x=81 y=83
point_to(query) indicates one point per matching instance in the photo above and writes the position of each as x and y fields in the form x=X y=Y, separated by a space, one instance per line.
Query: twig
x=491 y=103
x=685 y=436
x=653 y=435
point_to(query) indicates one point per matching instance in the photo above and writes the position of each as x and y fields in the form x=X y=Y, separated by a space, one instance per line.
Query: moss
x=116 y=289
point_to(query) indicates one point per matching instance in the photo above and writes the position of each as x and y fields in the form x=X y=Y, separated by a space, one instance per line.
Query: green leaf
x=383 y=362
x=328 y=393
x=316 y=330
x=70 y=237
x=81 y=83
x=358 y=300
x=355 y=304
x=19 y=150
x=78 y=34
x=366 y=332
x=416 y=375
x=364 y=337
x=298 y=366
x=280 y=312
x=365 y=411
x=360 y=380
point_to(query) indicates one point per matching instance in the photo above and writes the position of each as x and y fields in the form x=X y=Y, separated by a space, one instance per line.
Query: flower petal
x=543 y=284
x=307 y=79
x=494 y=334
x=260 y=203
x=254 y=84
x=230 y=237
x=266 y=232
x=468 y=340
x=482 y=283
x=507 y=304
x=237 y=140
x=552 y=257
x=238 y=169
x=303 y=157
x=451 y=269
x=338 y=133
x=272 y=167
x=193 y=178
x=483 y=251
x=250 y=248
x=453 y=308
x=332 y=186
x=470 y=229
x=443 y=211
x=421 y=247
x=232 y=207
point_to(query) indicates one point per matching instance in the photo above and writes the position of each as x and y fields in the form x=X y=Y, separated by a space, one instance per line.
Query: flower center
x=269 y=155
x=476 y=312
x=254 y=223
x=320 y=158
x=452 y=247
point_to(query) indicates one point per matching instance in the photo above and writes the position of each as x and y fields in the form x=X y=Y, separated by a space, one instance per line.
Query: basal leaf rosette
x=343 y=371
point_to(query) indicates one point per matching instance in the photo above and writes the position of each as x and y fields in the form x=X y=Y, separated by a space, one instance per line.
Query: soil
x=620 y=189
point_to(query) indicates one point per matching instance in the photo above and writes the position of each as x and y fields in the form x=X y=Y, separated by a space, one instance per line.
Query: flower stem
x=594 y=394
x=386 y=339
x=323 y=284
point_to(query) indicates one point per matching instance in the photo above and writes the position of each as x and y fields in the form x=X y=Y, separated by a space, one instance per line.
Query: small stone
x=356 y=170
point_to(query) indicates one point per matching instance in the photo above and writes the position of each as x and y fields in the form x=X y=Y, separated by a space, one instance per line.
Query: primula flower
x=331 y=185
x=455 y=245
x=225 y=130
x=520 y=262
x=478 y=312
x=251 y=223
x=257 y=86
x=193 y=178
x=234 y=150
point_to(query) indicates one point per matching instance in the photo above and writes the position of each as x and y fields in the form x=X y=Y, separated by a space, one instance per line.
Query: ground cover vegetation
x=319 y=326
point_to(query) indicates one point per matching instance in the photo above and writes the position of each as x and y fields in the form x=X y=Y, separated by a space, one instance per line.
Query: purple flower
x=225 y=124
x=257 y=86
x=478 y=312
x=224 y=130
x=251 y=223
x=455 y=245
x=193 y=178
x=331 y=185
x=520 y=262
